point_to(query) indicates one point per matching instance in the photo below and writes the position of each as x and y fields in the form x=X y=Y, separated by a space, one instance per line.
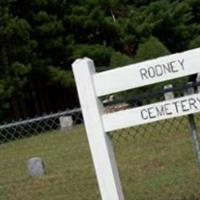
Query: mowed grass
x=155 y=161
x=69 y=171
x=158 y=161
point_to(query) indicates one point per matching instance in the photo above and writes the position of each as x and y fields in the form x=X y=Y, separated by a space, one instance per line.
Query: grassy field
x=69 y=171
x=155 y=161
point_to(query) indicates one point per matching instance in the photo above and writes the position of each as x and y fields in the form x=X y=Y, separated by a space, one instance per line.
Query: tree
x=39 y=39
x=195 y=43
x=118 y=59
x=151 y=48
x=15 y=53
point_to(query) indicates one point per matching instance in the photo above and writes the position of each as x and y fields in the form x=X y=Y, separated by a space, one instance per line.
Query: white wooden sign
x=92 y=85
x=151 y=113
x=148 y=72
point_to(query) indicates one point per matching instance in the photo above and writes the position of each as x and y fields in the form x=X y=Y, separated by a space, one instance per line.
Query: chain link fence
x=159 y=160
x=68 y=170
x=28 y=127
x=156 y=161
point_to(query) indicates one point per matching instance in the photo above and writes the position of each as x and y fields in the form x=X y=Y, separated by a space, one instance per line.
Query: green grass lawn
x=155 y=161
x=69 y=171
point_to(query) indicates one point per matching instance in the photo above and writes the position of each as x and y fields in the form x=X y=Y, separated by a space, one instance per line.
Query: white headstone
x=35 y=166
x=190 y=90
x=66 y=122
x=168 y=95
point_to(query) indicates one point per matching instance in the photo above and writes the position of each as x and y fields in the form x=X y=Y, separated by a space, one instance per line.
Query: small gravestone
x=66 y=122
x=168 y=95
x=189 y=90
x=35 y=167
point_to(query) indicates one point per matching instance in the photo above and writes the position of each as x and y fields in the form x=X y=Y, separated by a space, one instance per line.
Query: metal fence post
x=193 y=127
x=195 y=137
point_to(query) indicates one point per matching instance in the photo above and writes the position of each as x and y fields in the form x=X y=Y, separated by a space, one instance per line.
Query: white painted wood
x=101 y=149
x=128 y=77
x=135 y=116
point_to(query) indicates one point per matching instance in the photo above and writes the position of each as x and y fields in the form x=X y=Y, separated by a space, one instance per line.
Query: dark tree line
x=39 y=39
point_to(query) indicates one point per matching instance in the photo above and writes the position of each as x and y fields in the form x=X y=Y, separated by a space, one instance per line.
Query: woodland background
x=39 y=40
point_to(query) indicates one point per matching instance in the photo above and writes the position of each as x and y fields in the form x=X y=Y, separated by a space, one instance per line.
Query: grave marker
x=169 y=94
x=35 y=167
x=66 y=122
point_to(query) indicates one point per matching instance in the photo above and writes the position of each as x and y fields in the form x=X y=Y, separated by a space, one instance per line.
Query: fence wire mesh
x=156 y=161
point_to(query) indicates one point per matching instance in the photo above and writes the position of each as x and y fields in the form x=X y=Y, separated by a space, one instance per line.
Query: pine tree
x=15 y=55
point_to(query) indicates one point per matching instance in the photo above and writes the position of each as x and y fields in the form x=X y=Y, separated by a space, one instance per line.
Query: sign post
x=100 y=146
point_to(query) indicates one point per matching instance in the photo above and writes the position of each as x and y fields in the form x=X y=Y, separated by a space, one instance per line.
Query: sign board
x=92 y=85
x=148 y=72
x=152 y=112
